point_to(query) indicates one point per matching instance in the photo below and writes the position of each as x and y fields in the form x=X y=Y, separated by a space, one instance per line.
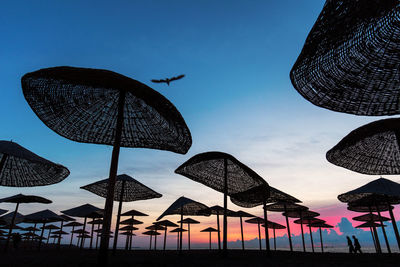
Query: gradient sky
x=236 y=97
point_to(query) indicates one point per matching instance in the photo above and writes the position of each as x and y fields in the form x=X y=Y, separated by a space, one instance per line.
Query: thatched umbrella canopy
x=165 y=224
x=359 y=208
x=104 y=107
x=370 y=218
x=189 y=221
x=309 y=220
x=129 y=228
x=20 y=167
x=223 y=173
x=85 y=211
x=320 y=225
x=185 y=206
x=179 y=232
x=283 y=206
x=131 y=221
x=126 y=189
x=151 y=234
x=217 y=210
x=133 y=213
x=44 y=217
x=301 y=214
x=209 y=230
x=258 y=221
x=349 y=62
x=374 y=194
x=274 y=226
x=7 y=218
x=17 y=199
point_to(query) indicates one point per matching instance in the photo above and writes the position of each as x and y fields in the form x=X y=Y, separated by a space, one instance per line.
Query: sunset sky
x=236 y=97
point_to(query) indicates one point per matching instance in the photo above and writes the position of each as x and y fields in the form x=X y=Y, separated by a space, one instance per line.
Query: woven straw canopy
x=274 y=225
x=373 y=208
x=73 y=224
x=44 y=216
x=209 y=169
x=320 y=225
x=241 y=213
x=7 y=218
x=131 y=222
x=82 y=105
x=209 y=230
x=83 y=211
x=308 y=220
x=20 y=198
x=255 y=196
x=350 y=61
x=50 y=227
x=189 y=221
x=133 y=189
x=379 y=188
x=300 y=214
x=285 y=206
x=133 y=213
x=20 y=167
x=178 y=230
x=255 y=220
x=166 y=223
x=129 y=228
x=218 y=210
x=151 y=233
x=187 y=207
x=370 y=218
x=370 y=149
x=370 y=224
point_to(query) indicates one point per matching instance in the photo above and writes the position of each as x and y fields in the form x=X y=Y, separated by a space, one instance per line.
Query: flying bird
x=168 y=80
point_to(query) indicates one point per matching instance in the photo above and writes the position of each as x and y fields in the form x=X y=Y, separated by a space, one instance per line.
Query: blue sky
x=236 y=96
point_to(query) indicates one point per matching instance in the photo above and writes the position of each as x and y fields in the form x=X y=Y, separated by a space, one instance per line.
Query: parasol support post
x=72 y=235
x=84 y=228
x=91 y=234
x=241 y=231
x=266 y=226
x=105 y=237
x=311 y=237
x=373 y=239
x=274 y=239
x=288 y=230
x=181 y=233
x=12 y=223
x=383 y=230
x=259 y=234
x=219 y=232
x=302 y=231
x=165 y=237
x=320 y=238
x=59 y=236
x=41 y=236
x=189 y=235
x=378 y=245
x=118 y=217
x=225 y=220
x=210 y=240
x=395 y=229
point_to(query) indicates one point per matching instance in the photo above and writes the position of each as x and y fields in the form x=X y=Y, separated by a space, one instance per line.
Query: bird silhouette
x=168 y=80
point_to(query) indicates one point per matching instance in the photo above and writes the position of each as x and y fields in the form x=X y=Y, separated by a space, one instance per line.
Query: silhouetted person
x=357 y=246
x=350 y=244
x=16 y=240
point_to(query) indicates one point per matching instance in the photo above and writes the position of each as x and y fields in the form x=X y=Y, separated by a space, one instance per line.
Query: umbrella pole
x=384 y=231
x=288 y=230
x=97 y=235
x=181 y=234
x=72 y=235
x=312 y=241
x=165 y=237
x=91 y=235
x=118 y=217
x=151 y=236
x=241 y=230
x=219 y=232
x=266 y=226
x=131 y=237
x=225 y=234
x=83 y=233
x=59 y=236
x=210 y=240
x=34 y=231
x=378 y=244
x=41 y=236
x=396 y=231
x=155 y=241
x=12 y=222
x=177 y=241
x=373 y=239
x=274 y=239
x=105 y=237
x=320 y=238
x=259 y=234
x=48 y=236
x=302 y=232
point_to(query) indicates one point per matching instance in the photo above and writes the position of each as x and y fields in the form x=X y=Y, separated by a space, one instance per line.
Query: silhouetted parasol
x=302 y=214
x=151 y=233
x=73 y=225
x=156 y=228
x=131 y=213
x=372 y=227
x=261 y=195
x=241 y=214
x=44 y=217
x=374 y=195
x=126 y=189
x=320 y=225
x=189 y=221
x=85 y=211
x=282 y=206
x=166 y=224
x=179 y=232
x=274 y=226
x=7 y=218
x=185 y=206
x=258 y=221
x=20 y=167
x=370 y=218
x=104 y=107
x=308 y=221
x=349 y=62
x=21 y=199
x=209 y=230
x=50 y=227
x=223 y=173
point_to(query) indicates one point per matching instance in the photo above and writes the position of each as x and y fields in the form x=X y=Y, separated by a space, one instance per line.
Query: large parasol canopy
x=104 y=107
x=350 y=61
x=370 y=149
x=126 y=189
x=17 y=199
x=223 y=173
x=375 y=194
x=185 y=206
x=20 y=167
